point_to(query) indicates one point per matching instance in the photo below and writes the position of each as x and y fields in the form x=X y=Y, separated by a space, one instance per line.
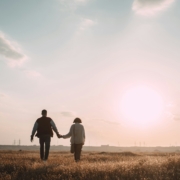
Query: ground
x=25 y=165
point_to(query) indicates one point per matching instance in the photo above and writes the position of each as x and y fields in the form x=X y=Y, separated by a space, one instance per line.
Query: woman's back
x=78 y=134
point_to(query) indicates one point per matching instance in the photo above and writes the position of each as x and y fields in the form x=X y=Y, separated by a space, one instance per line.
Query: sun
x=141 y=106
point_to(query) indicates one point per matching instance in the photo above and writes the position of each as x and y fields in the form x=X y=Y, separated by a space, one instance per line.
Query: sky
x=79 y=58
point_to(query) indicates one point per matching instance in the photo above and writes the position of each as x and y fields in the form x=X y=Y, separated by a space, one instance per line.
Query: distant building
x=104 y=146
x=156 y=150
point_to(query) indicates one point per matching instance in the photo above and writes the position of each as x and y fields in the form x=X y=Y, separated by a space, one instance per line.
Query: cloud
x=14 y=56
x=173 y=116
x=150 y=7
x=83 y=25
x=67 y=114
x=11 y=52
x=86 y=23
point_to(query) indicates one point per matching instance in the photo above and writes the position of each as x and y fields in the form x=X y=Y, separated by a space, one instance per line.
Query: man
x=44 y=126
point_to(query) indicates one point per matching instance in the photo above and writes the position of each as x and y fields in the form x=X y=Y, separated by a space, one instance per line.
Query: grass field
x=94 y=166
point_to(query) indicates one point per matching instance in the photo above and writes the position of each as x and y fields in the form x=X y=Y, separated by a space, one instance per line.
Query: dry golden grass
x=24 y=165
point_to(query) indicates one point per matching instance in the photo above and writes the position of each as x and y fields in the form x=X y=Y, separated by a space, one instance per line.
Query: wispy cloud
x=11 y=52
x=172 y=111
x=86 y=23
x=150 y=7
x=67 y=114
x=175 y=117
x=14 y=55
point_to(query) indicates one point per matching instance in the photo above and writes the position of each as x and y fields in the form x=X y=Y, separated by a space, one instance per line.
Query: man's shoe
x=45 y=161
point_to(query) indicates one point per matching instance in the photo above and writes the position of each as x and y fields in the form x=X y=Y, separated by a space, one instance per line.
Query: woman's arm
x=69 y=134
x=84 y=133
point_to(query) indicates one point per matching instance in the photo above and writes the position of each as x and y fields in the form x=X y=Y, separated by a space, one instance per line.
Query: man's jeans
x=44 y=139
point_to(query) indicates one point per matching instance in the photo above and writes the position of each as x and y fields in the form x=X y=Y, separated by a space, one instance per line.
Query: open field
x=24 y=165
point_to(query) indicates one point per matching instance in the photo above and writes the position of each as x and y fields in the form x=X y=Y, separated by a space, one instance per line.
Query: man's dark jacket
x=44 y=126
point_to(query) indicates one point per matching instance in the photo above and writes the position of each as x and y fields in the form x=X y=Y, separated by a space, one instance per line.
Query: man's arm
x=55 y=128
x=34 y=130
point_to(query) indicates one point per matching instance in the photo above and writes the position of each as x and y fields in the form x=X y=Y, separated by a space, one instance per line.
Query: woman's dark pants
x=44 y=140
x=77 y=151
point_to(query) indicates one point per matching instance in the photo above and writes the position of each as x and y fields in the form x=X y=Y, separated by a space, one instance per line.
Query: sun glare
x=141 y=106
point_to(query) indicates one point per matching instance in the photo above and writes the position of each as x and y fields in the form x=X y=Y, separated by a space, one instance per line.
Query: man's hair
x=44 y=112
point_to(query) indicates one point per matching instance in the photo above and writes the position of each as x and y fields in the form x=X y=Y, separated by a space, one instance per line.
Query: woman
x=77 y=134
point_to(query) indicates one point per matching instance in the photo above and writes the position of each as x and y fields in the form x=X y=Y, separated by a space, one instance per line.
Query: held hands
x=59 y=135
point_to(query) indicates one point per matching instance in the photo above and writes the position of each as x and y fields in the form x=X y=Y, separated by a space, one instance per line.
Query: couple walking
x=44 y=126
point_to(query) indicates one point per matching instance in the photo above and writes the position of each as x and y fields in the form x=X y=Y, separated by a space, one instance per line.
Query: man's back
x=44 y=126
